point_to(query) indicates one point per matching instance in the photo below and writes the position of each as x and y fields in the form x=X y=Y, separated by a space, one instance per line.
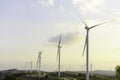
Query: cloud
x=61 y=8
x=34 y=5
x=47 y=2
x=67 y=38
x=44 y=2
x=87 y=6
x=51 y=2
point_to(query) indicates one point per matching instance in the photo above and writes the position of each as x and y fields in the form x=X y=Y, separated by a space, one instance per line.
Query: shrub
x=9 y=77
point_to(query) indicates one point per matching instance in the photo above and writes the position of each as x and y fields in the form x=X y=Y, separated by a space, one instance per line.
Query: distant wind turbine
x=69 y=67
x=81 y=66
x=58 y=55
x=86 y=45
x=91 y=68
x=84 y=68
x=39 y=62
x=31 y=66
x=26 y=66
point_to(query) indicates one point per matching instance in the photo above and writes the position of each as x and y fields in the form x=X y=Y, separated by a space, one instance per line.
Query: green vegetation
x=117 y=71
x=53 y=76
x=9 y=77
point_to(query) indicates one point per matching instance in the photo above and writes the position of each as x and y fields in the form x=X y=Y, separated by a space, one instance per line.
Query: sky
x=29 y=26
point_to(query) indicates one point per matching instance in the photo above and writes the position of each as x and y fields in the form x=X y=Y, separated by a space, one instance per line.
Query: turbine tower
x=69 y=67
x=58 y=55
x=30 y=66
x=81 y=66
x=39 y=63
x=86 y=45
x=91 y=68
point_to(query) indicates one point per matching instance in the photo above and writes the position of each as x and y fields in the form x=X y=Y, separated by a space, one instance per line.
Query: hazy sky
x=29 y=25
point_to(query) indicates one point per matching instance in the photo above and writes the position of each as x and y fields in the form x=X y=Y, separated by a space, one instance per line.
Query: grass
x=64 y=76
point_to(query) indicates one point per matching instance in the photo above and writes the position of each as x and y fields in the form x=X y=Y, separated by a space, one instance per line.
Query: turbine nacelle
x=87 y=28
x=59 y=46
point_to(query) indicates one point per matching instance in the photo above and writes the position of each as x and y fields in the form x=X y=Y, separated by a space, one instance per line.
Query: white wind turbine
x=30 y=66
x=81 y=66
x=58 y=55
x=91 y=67
x=86 y=45
x=39 y=63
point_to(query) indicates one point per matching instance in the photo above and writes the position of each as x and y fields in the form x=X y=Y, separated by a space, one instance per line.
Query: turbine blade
x=37 y=65
x=82 y=21
x=84 y=45
x=99 y=24
x=41 y=52
x=37 y=60
x=59 y=40
x=38 y=55
x=57 y=55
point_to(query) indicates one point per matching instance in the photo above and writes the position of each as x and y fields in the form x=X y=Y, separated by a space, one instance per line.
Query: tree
x=9 y=77
x=117 y=71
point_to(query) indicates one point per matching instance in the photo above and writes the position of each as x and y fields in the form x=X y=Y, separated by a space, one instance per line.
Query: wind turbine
x=69 y=67
x=81 y=66
x=39 y=63
x=86 y=45
x=91 y=68
x=27 y=67
x=30 y=66
x=58 y=55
